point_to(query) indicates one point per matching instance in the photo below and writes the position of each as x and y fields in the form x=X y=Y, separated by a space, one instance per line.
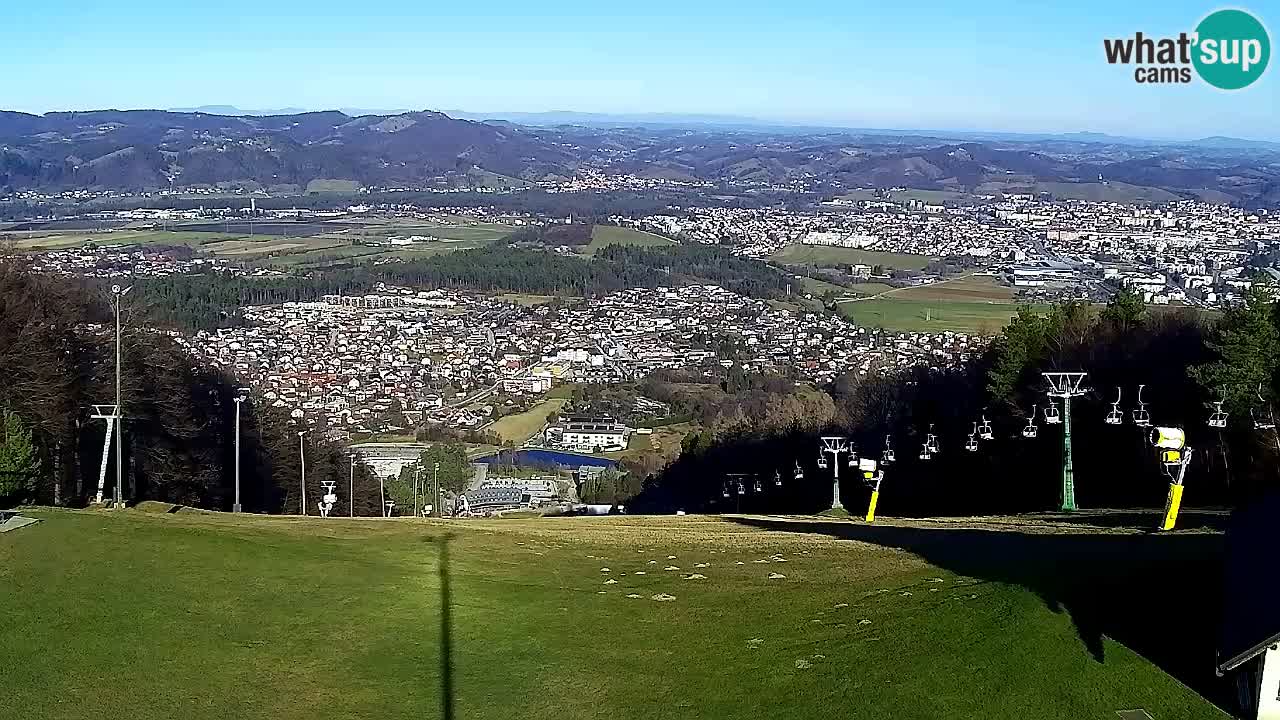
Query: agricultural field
x=823 y=255
x=605 y=235
x=158 y=615
x=313 y=244
x=519 y=427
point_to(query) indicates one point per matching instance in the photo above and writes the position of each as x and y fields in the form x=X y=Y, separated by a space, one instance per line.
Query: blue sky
x=1009 y=66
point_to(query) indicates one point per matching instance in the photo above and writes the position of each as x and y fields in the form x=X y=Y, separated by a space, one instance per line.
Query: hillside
x=292 y=153
x=641 y=617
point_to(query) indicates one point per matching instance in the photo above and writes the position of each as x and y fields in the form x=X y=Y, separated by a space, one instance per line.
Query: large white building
x=587 y=434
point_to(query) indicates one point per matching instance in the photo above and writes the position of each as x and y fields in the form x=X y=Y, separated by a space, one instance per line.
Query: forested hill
x=192 y=302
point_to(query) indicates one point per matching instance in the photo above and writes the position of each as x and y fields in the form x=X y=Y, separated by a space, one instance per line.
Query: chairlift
x=1141 y=417
x=1051 y=414
x=759 y=488
x=822 y=463
x=972 y=444
x=777 y=479
x=725 y=490
x=799 y=474
x=925 y=452
x=1116 y=416
x=742 y=490
x=1268 y=422
x=888 y=456
x=984 y=430
x=1030 y=430
x=1219 y=418
x=932 y=441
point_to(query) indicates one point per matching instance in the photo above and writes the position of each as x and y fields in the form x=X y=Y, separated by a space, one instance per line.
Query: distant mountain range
x=286 y=152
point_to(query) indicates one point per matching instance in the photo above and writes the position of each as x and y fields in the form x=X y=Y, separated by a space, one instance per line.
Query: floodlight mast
x=835 y=444
x=1066 y=385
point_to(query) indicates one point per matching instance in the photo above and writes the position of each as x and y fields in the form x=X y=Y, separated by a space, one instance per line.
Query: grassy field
x=823 y=255
x=605 y=235
x=520 y=427
x=146 y=616
x=975 y=304
x=344 y=242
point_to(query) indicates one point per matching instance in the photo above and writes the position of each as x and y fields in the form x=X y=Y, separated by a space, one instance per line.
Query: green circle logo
x=1232 y=50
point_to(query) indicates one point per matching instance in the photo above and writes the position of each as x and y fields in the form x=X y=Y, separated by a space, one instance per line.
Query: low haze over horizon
x=998 y=66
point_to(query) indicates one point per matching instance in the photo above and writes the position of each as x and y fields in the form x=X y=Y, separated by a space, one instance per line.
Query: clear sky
x=1009 y=65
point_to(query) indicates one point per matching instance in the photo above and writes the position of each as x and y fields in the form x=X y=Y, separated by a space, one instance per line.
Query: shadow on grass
x=1158 y=595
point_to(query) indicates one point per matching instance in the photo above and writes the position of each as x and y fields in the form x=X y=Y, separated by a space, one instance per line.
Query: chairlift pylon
x=1116 y=416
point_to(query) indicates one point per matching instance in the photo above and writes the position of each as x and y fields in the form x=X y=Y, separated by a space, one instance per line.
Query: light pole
x=235 y=506
x=835 y=444
x=302 y=475
x=417 y=479
x=435 y=481
x=118 y=294
x=351 y=488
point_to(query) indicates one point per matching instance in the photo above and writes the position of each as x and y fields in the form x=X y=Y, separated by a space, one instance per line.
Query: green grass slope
x=198 y=615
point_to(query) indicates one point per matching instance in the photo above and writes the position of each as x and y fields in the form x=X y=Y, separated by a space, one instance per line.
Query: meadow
x=158 y=615
x=972 y=304
x=604 y=235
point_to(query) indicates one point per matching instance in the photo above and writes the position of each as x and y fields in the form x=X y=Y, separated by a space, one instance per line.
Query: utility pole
x=302 y=475
x=235 y=505
x=1066 y=385
x=118 y=294
x=435 y=481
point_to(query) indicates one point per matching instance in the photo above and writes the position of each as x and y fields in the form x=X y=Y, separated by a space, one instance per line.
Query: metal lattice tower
x=1066 y=385
x=835 y=444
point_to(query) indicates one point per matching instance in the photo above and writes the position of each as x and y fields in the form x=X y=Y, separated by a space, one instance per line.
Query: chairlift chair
x=972 y=444
x=932 y=440
x=1268 y=422
x=777 y=479
x=822 y=463
x=799 y=474
x=742 y=489
x=888 y=456
x=1051 y=414
x=725 y=490
x=1030 y=430
x=984 y=430
x=1141 y=417
x=1116 y=416
x=925 y=453
x=759 y=488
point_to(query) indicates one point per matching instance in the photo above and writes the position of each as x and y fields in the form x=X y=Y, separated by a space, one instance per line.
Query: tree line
x=57 y=351
x=1186 y=362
